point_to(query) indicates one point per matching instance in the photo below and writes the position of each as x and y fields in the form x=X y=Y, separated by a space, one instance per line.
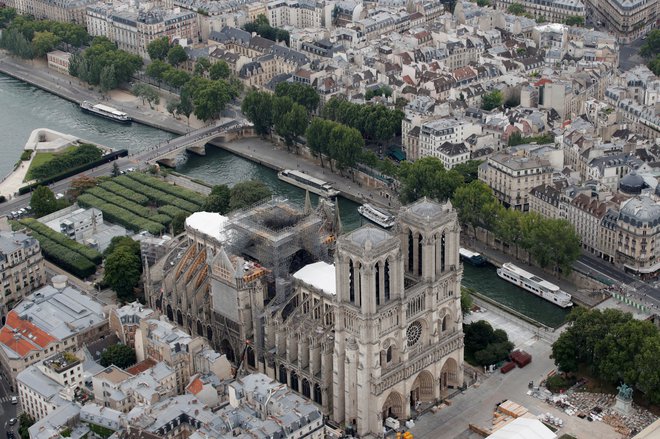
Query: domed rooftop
x=426 y=208
x=632 y=184
x=369 y=234
x=639 y=211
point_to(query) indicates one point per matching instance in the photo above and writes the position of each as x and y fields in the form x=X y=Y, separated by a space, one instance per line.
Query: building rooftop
x=319 y=275
x=208 y=223
x=113 y=374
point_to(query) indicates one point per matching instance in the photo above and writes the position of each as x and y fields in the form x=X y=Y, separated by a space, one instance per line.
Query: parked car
x=12 y=421
x=14 y=400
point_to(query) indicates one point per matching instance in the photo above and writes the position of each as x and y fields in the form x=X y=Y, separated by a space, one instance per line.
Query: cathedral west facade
x=374 y=332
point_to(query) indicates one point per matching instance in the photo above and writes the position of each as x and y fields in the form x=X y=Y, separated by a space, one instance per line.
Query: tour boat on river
x=106 y=112
x=307 y=182
x=377 y=216
x=471 y=257
x=534 y=284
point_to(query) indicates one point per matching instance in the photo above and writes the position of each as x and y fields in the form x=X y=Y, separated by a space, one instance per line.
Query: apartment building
x=53 y=319
x=69 y=11
x=586 y=214
x=125 y=321
x=547 y=200
x=554 y=11
x=160 y=340
x=299 y=14
x=22 y=268
x=627 y=19
x=134 y=29
x=122 y=391
x=425 y=138
x=638 y=227
x=49 y=384
x=512 y=177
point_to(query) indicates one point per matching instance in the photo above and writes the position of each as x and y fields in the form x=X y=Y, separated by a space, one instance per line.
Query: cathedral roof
x=368 y=234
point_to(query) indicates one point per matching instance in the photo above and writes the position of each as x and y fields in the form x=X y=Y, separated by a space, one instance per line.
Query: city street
x=628 y=55
x=7 y=409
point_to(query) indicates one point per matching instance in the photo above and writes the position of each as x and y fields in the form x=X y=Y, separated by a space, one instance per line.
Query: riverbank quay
x=587 y=297
x=264 y=152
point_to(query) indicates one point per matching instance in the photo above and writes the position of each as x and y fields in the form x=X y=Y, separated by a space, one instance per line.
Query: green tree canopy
x=176 y=55
x=293 y=124
x=553 y=243
x=247 y=193
x=574 y=20
x=103 y=53
x=427 y=177
x=120 y=355
x=485 y=345
x=218 y=200
x=219 y=70
x=202 y=66
x=257 y=106
x=43 y=201
x=6 y=16
x=261 y=26
x=651 y=46
x=469 y=170
x=122 y=272
x=179 y=223
x=157 y=69
x=44 y=42
x=125 y=242
x=516 y=9
x=494 y=99
x=476 y=205
x=158 y=48
x=302 y=94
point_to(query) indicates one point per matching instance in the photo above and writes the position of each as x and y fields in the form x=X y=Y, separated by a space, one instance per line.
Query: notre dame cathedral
x=369 y=327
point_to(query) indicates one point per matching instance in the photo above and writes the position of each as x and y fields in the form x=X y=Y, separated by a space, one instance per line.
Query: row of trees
x=518 y=139
x=651 y=51
x=376 y=123
x=104 y=65
x=28 y=38
x=162 y=49
x=262 y=27
x=550 y=242
x=342 y=144
x=81 y=155
x=614 y=347
x=223 y=200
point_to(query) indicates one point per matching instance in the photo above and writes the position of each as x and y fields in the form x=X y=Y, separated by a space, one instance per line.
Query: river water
x=24 y=108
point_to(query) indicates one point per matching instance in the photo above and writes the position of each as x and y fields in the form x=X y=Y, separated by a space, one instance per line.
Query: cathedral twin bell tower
x=398 y=327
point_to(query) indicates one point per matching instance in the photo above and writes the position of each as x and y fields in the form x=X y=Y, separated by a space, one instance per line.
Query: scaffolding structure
x=279 y=235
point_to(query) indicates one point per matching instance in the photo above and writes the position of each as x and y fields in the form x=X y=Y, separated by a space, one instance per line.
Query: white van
x=392 y=423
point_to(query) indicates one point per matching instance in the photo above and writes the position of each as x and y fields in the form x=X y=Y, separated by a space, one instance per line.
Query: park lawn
x=42 y=157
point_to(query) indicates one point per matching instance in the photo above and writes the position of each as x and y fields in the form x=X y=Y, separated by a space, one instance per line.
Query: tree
x=80 y=185
x=345 y=146
x=176 y=55
x=258 y=108
x=119 y=355
x=176 y=78
x=466 y=301
x=108 y=79
x=218 y=200
x=125 y=242
x=553 y=242
x=475 y=204
x=122 y=272
x=115 y=170
x=211 y=98
x=219 y=70
x=317 y=136
x=185 y=106
x=25 y=421
x=179 y=223
x=654 y=65
x=6 y=16
x=302 y=94
x=44 y=42
x=492 y=100
x=508 y=227
x=293 y=124
x=202 y=66
x=574 y=20
x=651 y=46
x=469 y=170
x=157 y=69
x=146 y=92
x=43 y=201
x=16 y=43
x=516 y=9
x=427 y=177
x=247 y=193
x=484 y=344
x=158 y=48
x=483 y=3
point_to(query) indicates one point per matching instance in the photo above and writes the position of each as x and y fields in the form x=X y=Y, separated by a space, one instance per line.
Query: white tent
x=523 y=428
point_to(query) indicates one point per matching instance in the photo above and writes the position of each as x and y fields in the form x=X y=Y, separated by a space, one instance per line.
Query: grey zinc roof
x=368 y=233
x=426 y=208
x=641 y=209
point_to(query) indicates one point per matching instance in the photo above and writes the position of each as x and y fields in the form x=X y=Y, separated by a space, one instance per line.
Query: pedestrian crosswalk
x=5 y=399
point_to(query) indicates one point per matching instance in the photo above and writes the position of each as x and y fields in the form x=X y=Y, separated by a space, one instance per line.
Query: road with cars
x=8 y=409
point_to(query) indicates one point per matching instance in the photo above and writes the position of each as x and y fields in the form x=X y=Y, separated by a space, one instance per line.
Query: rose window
x=413 y=333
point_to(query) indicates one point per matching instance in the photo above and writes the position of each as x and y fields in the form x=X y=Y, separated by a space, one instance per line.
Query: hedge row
x=161 y=218
x=75 y=171
x=122 y=191
x=172 y=211
x=120 y=201
x=155 y=195
x=164 y=186
x=73 y=246
x=63 y=257
x=118 y=215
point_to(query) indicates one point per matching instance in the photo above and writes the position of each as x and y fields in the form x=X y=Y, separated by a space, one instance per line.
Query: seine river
x=24 y=108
